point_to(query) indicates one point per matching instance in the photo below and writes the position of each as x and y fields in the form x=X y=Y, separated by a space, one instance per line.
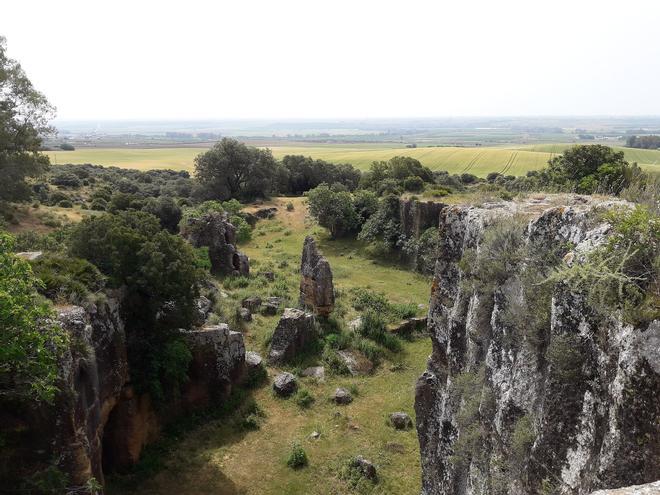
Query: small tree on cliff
x=233 y=170
x=24 y=116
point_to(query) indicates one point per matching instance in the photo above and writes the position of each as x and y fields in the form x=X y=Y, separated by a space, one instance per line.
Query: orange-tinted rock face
x=317 y=291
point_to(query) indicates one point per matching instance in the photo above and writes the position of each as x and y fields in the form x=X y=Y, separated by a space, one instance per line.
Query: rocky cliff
x=569 y=407
x=99 y=422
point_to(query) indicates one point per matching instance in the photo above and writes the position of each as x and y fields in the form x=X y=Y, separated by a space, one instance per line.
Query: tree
x=167 y=211
x=30 y=343
x=233 y=170
x=24 y=117
x=385 y=224
x=334 y=210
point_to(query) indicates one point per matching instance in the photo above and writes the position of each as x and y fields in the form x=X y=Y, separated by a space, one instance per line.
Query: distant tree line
x=645 y=142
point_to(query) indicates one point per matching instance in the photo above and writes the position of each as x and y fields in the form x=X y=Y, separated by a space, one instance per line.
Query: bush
x=373 y=327
x=289 y=206
x=297 y=458
x=98 y=204
x=413 y=184
x=304 y=399
x=69 y=278
x=67 y=147
x=65 y=203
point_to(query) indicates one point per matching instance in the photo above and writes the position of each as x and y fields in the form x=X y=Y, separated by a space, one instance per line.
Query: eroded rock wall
x=317 y=291
x=597 y=429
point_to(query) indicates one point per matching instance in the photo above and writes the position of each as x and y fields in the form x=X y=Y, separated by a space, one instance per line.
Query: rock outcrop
x=99 y=422
x=494 y=414
x=293 y=332
x=316 y=289
x=646 y=489
x=417 y=216
x=214 y=231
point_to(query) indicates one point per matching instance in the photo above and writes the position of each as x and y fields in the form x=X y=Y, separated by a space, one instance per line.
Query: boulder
x=265 y=213
x=342 y=396
x=356 y=362
x=285 y=384
x=366 y=468
x=252 y=303
x=410 y=326
x=294 y=331
x=317 y=372
x=214 y=231
x=355 y=324
x=30 y=255
x=244 y=314
x=253 y=360
x=400 y=421
x=203 y=306
x=269 y=309
x=317 y=291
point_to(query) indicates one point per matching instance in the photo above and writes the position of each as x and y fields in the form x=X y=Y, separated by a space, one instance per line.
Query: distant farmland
x=479 y=160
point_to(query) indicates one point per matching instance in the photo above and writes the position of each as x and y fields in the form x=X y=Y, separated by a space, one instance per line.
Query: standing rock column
x=317 y=291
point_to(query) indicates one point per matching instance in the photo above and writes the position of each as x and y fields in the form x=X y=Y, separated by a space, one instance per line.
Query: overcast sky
x=331 y=59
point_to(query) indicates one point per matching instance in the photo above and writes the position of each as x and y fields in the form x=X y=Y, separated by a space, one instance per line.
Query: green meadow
x=514 y=160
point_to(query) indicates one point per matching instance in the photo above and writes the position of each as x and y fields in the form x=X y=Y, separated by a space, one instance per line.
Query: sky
x=251 y=59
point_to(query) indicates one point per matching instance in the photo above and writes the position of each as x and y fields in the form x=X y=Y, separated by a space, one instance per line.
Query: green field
x=515 y=160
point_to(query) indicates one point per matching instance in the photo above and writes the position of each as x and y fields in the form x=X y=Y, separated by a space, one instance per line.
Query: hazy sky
x=356 y=58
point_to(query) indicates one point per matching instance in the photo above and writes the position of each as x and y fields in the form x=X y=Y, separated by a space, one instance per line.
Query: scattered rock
x=317 y=372
x=366 y=467
x=214 y=231
x=265 y=213
x=269 y=309
x=252 y=303
x=400 y=421
x=244 y=314
x=294 y=330
x=342 y=396
x=253 y=359
x=356 y=362
x=249 y=218
x=410 y=326
x=285 y=384
x=30 y=255
x=315 y=435
x=317 y=291
x=354 y=325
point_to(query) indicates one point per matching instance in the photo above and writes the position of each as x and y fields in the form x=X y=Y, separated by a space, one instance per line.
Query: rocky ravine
x=599 y=430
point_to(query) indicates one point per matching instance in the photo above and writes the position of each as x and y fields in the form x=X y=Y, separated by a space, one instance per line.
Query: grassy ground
x=480 y=161
x=221 y=458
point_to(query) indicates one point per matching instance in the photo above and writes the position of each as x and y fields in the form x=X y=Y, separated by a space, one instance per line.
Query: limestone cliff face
x=99 y=422
x=597 y=429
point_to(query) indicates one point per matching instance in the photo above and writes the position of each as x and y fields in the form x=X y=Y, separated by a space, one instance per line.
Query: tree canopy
x=24 y=117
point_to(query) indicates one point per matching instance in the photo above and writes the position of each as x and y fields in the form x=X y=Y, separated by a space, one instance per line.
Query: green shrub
x=522 y=439
x=65 y=203
x=333 y=362
x=289 y=206
x=372 y=352
x=240 y=282
x=404 y=310
x=297 y=458
x=373 y=327
x=303 y=398
x=367 y=300
x=69 y=278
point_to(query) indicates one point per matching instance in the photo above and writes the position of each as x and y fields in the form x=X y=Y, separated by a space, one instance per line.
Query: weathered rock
x=277 y=301
x=592 y=433
x=253 y=360
x=203 y=306
x=252 y=303
x=647 y=489
x=417 y=216
x=355 y=324
x=356 y=362
x=342 y=396
x=265 y=213
x=317 y=291
x=293 y=332
x=214 y=231
x=315 y=435
x=30 y=255
x=244 y=314
x=269 y=309
x=317 y=372
x=285 y=384
x=410 y=326
x=366 y=467
x=400 y=421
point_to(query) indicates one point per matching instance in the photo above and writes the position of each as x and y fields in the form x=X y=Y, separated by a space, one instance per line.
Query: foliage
x=30 y=343
x=385 y=224
x=333 y=210
x=233 y=170
x=374 y=328
x=166 y=210
x=522 y=439
x=423 y=249
x=71 y=279
x=24 y=116
x=624 y=272
x=388 y=177
x=645 y=142
x=301 y=174
x=297 y=458
x=303 y=398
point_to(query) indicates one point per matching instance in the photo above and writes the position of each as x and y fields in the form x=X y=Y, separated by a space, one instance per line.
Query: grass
x=219 y=458
x=514 y=160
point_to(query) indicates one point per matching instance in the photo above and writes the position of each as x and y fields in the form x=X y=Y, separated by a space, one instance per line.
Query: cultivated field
x=514 y=160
